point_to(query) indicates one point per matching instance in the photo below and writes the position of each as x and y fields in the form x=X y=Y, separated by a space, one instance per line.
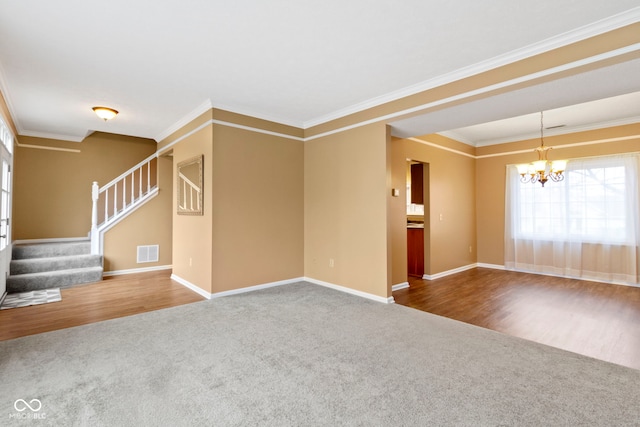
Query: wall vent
x=148 y=253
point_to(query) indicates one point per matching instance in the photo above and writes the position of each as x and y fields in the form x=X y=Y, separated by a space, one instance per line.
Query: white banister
x=95 y=193
x=116 y=208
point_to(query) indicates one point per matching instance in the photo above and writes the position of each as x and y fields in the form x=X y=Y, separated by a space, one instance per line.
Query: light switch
x=395 y=192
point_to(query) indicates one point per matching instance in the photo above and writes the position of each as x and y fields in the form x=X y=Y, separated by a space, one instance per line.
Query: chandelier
x=542 y=170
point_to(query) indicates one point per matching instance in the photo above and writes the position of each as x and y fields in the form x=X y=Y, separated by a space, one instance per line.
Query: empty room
x=320 y=213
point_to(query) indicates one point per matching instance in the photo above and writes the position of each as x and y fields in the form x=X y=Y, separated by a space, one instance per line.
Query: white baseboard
x=256 y=287
x=494 y=266
x=449 y=272
x=403 y=285
x=367 y=295
x=208 y=295
x=137 y=270
x=191 y=286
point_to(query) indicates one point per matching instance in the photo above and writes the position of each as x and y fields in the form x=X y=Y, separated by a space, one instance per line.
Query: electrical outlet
x=470 y=249
x=331 y=262
x=190 y=262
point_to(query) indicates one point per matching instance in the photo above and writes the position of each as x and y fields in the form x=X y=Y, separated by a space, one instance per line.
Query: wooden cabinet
x=415 y=251
x=417 y=187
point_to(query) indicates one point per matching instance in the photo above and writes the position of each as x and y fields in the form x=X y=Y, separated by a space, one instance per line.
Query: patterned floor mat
x=24 y=299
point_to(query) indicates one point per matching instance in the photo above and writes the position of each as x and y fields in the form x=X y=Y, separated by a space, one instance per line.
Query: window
x=591 y=204
x=586 y=226
x=5 y=136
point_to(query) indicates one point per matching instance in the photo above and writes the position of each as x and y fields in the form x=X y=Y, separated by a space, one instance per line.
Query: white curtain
x=587 y=226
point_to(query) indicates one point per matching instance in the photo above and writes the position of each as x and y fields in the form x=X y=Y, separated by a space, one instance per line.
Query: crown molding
x=7 y=100
x=594 y=29
x=208 y=105
x=554 y=132
x=192 y=115
x=47 y=135
x=457 y=137
x=256 y=115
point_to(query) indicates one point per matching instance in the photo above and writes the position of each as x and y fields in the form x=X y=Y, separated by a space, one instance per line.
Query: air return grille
x=148 y=253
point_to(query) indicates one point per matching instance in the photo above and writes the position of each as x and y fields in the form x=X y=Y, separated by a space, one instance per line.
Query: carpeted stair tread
x=42 y=250
x=37 y=265
x=53 y=279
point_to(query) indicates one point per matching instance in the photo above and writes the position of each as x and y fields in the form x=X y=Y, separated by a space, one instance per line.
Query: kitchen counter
x=415 y=225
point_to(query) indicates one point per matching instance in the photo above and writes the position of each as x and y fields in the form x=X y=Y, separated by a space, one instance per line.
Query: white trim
x=7 y=99
x=452 y=150
x=48 y=135
x=233 y=125
x=256 y=287
x=122 y=215
x=51 y=240
x=449 y=272
x=560 y=147
x=4 y=295
x=403 y=285
x=136 y=270
x=528 y=150
x=449 y=78
x=586 y=279
x=257 y=115
x=258 y=130
x=132 y=169
x=188 y=118
x=367 y=295
x=185 y=136
x=493 y=266
x=191 y=286
x=484 y=90
x=551 y=132
x=609 y=24
x=42 y=147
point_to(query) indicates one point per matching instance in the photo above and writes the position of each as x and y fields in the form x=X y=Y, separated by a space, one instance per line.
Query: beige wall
x=251 y=232
x=451 y=196
x=192 y=234
x=258 y=210
x=490 y=176
x=345 y=209
x=52 y=189
x=151 y=224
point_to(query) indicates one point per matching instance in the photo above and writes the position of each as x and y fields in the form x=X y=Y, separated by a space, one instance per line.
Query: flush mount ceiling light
x=105 y=113
x=542 y=170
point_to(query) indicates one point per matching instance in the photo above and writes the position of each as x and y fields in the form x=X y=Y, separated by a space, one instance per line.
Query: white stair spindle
x=140 y=180
x=124 y=192
x=148 y=177
x=115 y=199
x=106 y=204
x=133 y=180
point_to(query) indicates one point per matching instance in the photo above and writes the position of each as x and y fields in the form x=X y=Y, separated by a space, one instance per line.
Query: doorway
x=417 y=218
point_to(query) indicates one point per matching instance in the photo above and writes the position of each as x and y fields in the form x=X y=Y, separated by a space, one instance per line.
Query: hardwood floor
x=115 y=296
x=594 y=319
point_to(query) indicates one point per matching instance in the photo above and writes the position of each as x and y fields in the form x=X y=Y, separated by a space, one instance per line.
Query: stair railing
x=121 y=196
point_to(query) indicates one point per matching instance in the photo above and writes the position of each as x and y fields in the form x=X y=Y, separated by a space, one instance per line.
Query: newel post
x=95 y=240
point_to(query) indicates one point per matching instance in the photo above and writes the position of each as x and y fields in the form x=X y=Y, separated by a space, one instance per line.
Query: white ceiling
x=299 y=63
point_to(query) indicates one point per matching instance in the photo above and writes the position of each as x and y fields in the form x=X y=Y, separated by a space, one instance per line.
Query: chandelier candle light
x=542 y=170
